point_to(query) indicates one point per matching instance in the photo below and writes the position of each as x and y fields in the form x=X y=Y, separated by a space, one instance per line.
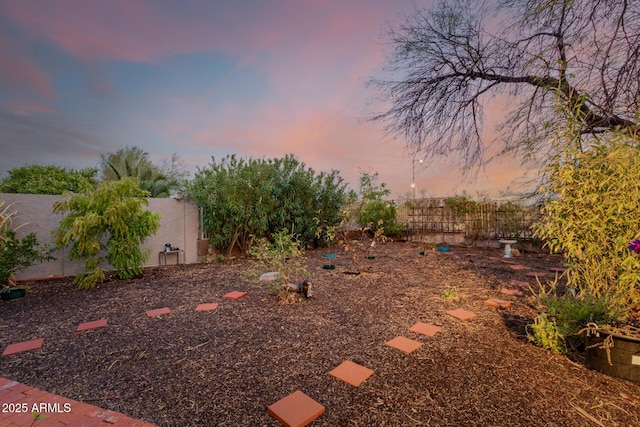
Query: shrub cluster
x=243 y=200
x=591 y=215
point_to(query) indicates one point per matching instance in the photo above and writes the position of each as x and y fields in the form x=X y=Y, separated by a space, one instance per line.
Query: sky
x=203 y=79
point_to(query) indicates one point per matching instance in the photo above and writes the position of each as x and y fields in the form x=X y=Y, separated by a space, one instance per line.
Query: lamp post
x=413 y=175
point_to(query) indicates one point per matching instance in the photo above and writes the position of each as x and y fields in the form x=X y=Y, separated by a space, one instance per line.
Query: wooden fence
x=477 y=220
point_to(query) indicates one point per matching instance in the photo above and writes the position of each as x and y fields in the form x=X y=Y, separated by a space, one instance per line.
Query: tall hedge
x=243 y=199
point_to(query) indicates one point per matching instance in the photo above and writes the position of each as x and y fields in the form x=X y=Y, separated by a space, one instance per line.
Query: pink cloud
x=19 y=73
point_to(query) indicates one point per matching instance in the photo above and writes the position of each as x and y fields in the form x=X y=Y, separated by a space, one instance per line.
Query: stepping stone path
x=351 y=373
x=91 y=325
x=296 y=410
x=557 y=269
x=82 y=414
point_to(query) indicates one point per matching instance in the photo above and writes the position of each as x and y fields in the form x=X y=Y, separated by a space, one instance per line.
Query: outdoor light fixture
x=413 y=175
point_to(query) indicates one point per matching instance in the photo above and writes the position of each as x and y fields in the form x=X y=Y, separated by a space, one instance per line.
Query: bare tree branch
x=577 y=56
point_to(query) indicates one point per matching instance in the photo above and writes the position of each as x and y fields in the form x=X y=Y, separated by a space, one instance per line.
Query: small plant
x=361 y=226
x=360 y=242
x=284 y=256
x=35 y=417
x=450 y=294
x=544 y=333
x=558 y=326
x=17 y=253
x=326 y=234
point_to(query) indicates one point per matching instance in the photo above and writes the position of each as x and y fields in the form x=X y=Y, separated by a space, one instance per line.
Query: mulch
x=225 y=367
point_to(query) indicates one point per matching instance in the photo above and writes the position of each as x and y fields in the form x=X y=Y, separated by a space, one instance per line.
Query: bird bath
x=507 y=247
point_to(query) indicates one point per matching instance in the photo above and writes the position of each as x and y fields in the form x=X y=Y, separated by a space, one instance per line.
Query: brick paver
x=158 y=312
x=23 y=346
x=425 y=329
x=55 y=410
x=91 y=325
x=351 y=373
x=206 y=307
x=296 y=410
x=235 y=295
x=404 y=344
x=460 y=313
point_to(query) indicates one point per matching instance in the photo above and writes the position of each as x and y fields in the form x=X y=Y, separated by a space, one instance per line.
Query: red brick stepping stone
x=519 y=267
x=513 y=292
x=425 y=329
x=519 y=283
x=493 y=258
x=206 y=307
x=296 y=410
x=535 y=274
x=404 y=344
x=507 y=261
x=498 y=303
x=235 y=295
x=351 y=373
x=461 y=314
x=91 y=325
x=23 y=346
x=158 y=312
x=557 y=269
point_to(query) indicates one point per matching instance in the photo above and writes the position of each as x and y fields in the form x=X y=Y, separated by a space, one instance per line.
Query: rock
x=269 y=277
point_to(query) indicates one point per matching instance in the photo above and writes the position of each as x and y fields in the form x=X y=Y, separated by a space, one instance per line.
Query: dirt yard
x=225 y=367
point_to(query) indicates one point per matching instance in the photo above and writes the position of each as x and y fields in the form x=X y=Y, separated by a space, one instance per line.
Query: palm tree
x=134 y=162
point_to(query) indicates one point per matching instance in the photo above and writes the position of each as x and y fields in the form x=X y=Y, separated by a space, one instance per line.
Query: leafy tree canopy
x=132 y=162
x=36 y=179
x=543 y=59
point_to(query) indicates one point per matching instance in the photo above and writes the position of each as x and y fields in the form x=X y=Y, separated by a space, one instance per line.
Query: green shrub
x=256 y=198
x=558 y=327
x=36 y=179
x=592 y=215
x=15 y=253
x=285 y=256
x=376 y=212
x=110 y=218
x=545 y=334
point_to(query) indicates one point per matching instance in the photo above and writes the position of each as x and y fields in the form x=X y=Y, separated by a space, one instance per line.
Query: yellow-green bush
x=592 y=215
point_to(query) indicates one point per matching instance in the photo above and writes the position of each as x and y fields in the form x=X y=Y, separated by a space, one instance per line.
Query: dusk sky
x=204 y=78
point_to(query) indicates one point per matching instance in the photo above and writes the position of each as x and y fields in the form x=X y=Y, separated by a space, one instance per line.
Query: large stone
x=270 y=277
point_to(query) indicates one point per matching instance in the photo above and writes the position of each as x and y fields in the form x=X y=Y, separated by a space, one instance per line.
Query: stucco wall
x=178 y=226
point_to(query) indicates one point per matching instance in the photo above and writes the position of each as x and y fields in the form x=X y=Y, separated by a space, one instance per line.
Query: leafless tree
x=547 y=58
